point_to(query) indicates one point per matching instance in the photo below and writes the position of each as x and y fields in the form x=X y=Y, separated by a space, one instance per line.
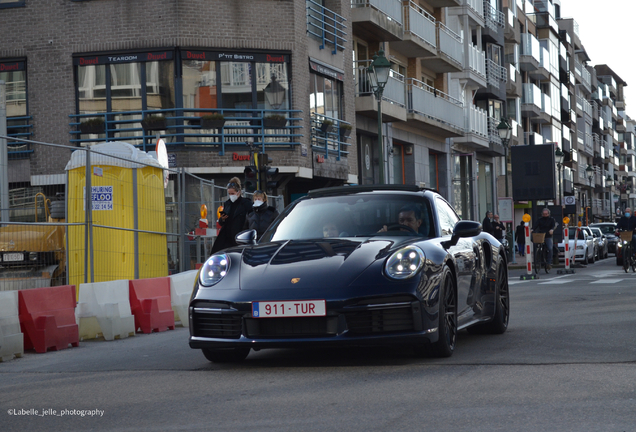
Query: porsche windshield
x=354 y=216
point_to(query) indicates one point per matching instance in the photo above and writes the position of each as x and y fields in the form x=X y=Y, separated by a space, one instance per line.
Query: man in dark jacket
x=232 y=218
x=520 y=236
x=487 y=223
x=498 y=228
x=262 y=215
x=546 y=224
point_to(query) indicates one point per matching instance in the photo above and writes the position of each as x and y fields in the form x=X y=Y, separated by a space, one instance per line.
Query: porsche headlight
x=405 y=262
x=214 y=269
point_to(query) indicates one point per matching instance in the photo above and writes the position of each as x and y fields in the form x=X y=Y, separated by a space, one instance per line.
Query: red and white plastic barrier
x=529 y=248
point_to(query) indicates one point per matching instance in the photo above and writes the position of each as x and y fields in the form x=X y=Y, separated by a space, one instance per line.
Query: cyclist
x=546 y=224
x=627 y=222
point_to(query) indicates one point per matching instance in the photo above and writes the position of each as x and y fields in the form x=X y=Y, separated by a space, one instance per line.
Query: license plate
x=11 y=257
x=293 y=308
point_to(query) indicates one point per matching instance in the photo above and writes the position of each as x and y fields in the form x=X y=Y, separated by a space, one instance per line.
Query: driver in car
x=408 y=216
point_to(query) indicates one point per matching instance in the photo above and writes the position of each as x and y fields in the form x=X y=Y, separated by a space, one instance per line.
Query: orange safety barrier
x=47 y=318
x=150 y=304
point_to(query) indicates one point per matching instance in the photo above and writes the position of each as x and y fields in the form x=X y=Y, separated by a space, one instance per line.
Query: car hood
x=307 y=264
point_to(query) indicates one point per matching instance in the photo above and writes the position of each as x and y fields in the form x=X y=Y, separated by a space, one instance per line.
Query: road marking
x=555 y=282
x=606 y=281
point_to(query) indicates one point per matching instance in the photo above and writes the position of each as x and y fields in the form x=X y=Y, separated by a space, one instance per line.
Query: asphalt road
x=566 y=363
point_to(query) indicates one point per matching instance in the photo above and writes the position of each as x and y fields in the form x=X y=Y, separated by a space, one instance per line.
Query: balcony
x=393 y=97
x=473 y=8
x=444 y=3
x=20 y=127
x=476 y=136
x=512 y=32
x=530 y=58
x=183 y=127
x=531 y=100
x=420 y=33
x=328 y=143
x=495 y=19
x=450 y=52
x=513 y=84
x=377 y=20
x=433 y=110
x=532 y=138
x=495 y=146
x=542 y=72
x=544 y=20
x=326 y=26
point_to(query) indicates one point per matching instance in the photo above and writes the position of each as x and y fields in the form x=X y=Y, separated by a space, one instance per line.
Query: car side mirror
x=247 y=237
x=463 y=229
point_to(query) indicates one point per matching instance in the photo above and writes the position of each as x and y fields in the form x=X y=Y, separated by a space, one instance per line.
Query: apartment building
x=123 y=63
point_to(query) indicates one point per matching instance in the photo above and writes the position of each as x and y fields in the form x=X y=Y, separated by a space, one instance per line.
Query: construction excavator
x=33 y=253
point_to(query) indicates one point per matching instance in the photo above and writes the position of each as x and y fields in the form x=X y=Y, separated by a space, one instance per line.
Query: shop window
x=11 y=4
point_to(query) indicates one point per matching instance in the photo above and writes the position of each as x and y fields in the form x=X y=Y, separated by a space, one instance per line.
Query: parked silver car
x=602 y=249
x=609 y=230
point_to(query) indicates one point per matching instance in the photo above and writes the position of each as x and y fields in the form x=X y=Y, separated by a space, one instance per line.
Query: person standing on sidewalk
x=498 y=228
x=487 y=223
x=520 y=235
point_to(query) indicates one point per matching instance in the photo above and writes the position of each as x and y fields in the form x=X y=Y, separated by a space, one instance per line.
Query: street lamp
x=505 y=132
x=378 y=73
x=558 y=158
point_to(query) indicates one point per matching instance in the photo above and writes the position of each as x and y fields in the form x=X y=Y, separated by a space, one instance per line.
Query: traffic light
x=267 y=173
x=251 y=178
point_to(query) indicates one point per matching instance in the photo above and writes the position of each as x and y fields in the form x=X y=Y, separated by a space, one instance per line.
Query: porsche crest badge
x=295 y=280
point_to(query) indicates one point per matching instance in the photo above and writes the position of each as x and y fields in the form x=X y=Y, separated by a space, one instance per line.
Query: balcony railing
x=183 y=127
x=19 y=127
x=530 y=46
x=450 y=43
x=326 y=26
x=477 y=60
x=495 y=74
x=495 y=19
x=394 y=90
x=390 y=8
x=477 y=6
x=477 y=121
x=531 y=94
x=430 y=102
x=332 y=142
x=420 y=23
x=493 y=135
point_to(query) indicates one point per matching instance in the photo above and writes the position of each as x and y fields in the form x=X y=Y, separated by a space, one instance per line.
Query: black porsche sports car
x=353 y=265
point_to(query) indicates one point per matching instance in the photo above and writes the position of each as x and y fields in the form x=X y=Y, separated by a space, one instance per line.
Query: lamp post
x=378 y=73
x=505 y=131
x=558 y=158
x=590 y=175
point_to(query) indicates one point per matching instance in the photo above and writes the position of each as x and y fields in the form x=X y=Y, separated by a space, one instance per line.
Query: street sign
x=505 y=210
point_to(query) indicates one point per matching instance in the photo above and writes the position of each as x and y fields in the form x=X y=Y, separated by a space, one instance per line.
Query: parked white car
x=585 y=248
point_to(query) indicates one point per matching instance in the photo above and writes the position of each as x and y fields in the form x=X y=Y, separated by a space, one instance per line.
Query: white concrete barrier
x=103 y=309
x=181 y=286
x=11 y=337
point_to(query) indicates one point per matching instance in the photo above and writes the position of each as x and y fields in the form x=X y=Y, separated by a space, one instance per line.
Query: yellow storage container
x=116 y=184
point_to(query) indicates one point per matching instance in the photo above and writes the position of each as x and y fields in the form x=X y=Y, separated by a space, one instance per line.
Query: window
x=11 y=3
x=325 y=96
x=13 y=73
x=463 y=185
x=447 y=217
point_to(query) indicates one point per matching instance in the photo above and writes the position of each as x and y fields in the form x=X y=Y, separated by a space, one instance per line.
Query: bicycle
x=628 y=251
x=541 y=253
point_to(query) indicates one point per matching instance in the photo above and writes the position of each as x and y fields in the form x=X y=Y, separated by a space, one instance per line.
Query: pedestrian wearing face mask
x=233 y=216
x=262 y=215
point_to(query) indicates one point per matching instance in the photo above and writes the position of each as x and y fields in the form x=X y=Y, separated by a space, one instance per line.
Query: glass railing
x=326 y=26
x=530 y=46
x=430 y=102
x=477 y=121
x=477 y=60
x=391 y=8
x=188 y=126
x=420 y=23
x=450 y=43
x=531 y=94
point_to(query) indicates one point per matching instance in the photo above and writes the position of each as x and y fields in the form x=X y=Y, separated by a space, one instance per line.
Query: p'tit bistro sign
x=124 y=58
x=234 y=56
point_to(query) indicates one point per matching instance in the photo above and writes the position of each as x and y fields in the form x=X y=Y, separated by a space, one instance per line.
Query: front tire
x=232 y=355
x=447 y=321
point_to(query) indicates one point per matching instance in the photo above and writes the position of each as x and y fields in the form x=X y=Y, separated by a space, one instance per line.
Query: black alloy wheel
x=232 y=355
x=501 y=315
x=447 y=321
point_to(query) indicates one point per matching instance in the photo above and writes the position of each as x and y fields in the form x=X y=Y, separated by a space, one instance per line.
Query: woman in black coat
x=233 y=216
x=262 y=215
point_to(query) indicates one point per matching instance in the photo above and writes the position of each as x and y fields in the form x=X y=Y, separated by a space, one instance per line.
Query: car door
x=467 y=257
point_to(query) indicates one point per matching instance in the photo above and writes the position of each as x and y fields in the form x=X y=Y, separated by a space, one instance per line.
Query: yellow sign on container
x=113 y=190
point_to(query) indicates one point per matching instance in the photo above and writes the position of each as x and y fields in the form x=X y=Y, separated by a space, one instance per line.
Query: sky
x=608 y=31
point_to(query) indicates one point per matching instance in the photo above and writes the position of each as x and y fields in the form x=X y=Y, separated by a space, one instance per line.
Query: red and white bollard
x=529 y=248
x=566 y=244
